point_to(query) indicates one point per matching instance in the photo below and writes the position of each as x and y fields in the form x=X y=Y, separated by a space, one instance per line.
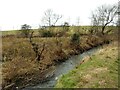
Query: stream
x=62 y=69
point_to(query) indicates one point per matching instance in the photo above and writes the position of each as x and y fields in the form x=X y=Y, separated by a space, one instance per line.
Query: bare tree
x=50 y=18
x=78 y=21
x=95 y=23
x=78 y=24
x=36 y=48
x=103 y=16
x=118 y=12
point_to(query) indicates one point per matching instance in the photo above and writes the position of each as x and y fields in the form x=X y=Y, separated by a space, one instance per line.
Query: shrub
x=46 y=33
x=25 y=33
x=75 y=38
x=66 y=26
x=25 y=30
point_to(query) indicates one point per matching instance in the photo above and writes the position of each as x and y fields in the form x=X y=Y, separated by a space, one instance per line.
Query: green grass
x=101 y=71
x=72 y=29
x=12 y=32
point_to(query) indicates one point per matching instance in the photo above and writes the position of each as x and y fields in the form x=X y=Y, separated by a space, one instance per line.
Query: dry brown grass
x=20 y=67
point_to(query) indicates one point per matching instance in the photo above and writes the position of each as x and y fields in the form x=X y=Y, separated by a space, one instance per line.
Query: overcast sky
x=14 y=13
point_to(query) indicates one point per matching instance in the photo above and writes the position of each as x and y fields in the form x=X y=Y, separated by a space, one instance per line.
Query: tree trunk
x=103 y=28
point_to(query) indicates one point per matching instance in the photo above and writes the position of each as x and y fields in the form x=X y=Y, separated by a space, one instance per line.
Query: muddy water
x=63 y=68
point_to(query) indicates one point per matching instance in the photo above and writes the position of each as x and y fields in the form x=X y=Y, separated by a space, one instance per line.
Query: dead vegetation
x=21 y=56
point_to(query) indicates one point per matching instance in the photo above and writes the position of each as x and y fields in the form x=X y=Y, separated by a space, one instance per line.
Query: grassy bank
x=97 y=71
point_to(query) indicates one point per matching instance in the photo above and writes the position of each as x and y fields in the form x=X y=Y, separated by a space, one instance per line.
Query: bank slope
x=97 y=71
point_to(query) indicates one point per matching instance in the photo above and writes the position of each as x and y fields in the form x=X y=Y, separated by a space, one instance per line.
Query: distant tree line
x=100 y=18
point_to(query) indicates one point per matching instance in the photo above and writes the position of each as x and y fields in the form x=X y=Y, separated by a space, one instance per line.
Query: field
x=72 y=29
x=20 y=67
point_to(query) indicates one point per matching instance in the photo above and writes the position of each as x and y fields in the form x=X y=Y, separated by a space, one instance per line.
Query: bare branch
x=103 y=16
x=35 y=48
x=50 y=18
x=57 y=18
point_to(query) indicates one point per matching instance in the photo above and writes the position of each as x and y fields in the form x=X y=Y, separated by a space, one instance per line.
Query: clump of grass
x=46 y=33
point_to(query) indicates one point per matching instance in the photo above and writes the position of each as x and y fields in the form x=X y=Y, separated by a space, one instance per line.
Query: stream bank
x=67 y=65
x=62 y=69
x=98 y=71
x=53 y=52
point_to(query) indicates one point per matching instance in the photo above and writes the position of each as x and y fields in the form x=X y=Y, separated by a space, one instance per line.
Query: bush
x=25 y=33
x=66 y=26
x=75 y=38
x=25 y=30
x=46 y=33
